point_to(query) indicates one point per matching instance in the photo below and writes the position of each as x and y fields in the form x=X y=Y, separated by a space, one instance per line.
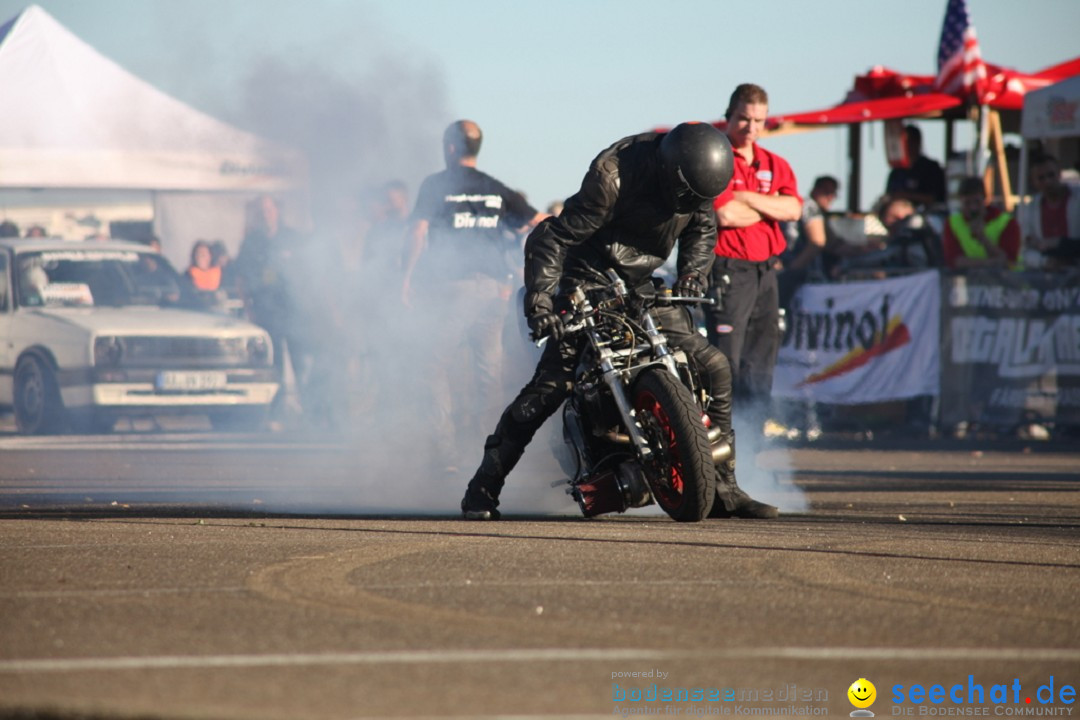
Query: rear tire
x=682 y=476
x=38 y=407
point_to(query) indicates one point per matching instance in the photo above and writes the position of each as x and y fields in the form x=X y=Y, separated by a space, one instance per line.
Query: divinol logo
x=862 y=695
x=868 y=336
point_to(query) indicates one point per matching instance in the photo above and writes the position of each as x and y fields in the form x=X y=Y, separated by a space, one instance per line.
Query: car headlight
x=258 y=349
x=108 y=351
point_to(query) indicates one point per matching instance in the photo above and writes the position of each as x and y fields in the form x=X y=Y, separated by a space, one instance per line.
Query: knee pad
x=535 y=403
x=526 y=407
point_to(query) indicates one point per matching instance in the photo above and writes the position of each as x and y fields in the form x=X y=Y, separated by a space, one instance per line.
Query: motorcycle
x=634 y=421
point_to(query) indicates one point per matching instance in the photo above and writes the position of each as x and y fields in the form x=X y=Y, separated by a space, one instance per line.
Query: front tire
x=681 y=473
x=38 y=407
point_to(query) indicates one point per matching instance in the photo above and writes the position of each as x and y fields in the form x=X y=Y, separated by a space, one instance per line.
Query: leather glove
x=689 y=285
x=546 y=324
x=543 y=322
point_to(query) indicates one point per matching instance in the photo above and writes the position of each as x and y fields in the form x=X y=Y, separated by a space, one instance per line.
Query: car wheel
x=38 y=408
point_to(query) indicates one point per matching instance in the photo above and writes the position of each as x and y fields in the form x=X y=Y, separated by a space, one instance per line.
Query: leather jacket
x=622 y=218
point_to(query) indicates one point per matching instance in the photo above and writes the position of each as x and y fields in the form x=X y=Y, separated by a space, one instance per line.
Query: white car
x=90 y=331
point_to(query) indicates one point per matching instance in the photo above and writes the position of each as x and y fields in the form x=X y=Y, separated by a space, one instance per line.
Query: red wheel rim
x=670 y=484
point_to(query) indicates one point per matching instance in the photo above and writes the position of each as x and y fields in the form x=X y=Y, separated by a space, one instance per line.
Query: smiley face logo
x=862 y=693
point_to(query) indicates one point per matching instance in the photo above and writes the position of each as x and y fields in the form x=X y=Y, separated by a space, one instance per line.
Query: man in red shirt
x=979 y=236
x=762 y=194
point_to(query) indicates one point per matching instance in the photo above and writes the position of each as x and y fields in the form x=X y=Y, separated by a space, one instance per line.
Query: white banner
x=863 y=342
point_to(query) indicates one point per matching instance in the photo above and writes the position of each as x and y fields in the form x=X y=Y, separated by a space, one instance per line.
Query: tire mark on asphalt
x=330 y=584
x=706 y=544
x=848 y=581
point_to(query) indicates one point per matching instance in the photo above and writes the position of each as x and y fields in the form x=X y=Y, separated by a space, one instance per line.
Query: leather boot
x=481 y=499
x=731 y=500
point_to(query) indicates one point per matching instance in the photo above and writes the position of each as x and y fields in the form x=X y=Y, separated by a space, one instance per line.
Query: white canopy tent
x=1050 y=114
x=74 y=120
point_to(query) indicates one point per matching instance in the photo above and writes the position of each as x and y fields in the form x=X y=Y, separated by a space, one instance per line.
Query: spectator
x=373 y=257
x=805 y=260
x=8 y=229
x=910 y=243
x=923 y=181
x=1051 y=221
x=202 y=272
x=36 y=231
x=762 y=195
x=384 y=252
x=269 y=269
x=220 y=258
x=154 y=278
x=457 y=236
x=979 y=236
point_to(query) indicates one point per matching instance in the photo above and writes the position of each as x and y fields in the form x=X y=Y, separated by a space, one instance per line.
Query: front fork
x=617 y=385
x=614 y=381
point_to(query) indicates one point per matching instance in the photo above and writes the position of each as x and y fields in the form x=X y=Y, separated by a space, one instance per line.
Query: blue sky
x=369 y=85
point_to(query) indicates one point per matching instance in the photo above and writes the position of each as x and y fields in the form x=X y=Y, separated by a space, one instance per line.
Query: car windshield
x=84 y=277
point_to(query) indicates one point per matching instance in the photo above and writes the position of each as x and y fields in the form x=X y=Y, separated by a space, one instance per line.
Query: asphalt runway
x=173 y=575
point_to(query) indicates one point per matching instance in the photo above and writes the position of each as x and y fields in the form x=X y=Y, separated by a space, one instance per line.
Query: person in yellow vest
x=980 y=236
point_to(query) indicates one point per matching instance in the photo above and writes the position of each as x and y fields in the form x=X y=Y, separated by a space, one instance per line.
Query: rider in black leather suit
x=639 y=197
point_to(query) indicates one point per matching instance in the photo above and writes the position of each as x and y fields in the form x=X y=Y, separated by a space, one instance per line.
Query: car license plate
x=180 y=381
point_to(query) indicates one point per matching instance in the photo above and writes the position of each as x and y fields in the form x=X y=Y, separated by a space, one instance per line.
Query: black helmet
x=696 y=161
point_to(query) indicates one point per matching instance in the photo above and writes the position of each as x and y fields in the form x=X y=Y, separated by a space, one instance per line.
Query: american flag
x=960 y=66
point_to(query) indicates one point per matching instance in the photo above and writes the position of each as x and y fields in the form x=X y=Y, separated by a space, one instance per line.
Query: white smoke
x=361 y=127
x=764 y=469
x=358 y=134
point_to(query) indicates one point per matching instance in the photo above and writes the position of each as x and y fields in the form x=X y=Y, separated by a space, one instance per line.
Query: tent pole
x=1002 y=164
x=1024 y=160
x=981 y=150
x=854 y=166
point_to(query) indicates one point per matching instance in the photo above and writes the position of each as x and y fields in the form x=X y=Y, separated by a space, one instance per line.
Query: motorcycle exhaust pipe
x=617 y=438
x=721 y=448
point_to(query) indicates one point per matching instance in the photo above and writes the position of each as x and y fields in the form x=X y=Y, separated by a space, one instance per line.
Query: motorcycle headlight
x=258 y=349
x=108 y=351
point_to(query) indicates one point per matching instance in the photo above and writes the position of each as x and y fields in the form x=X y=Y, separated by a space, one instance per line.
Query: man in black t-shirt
x=923 y=183
x=462 y=224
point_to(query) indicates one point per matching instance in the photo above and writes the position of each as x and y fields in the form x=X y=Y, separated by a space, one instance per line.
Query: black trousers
x=747 y=327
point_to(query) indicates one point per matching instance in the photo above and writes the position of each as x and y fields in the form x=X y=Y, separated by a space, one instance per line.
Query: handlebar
x=576 y=326
x=617 y=287
x=691 y=300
